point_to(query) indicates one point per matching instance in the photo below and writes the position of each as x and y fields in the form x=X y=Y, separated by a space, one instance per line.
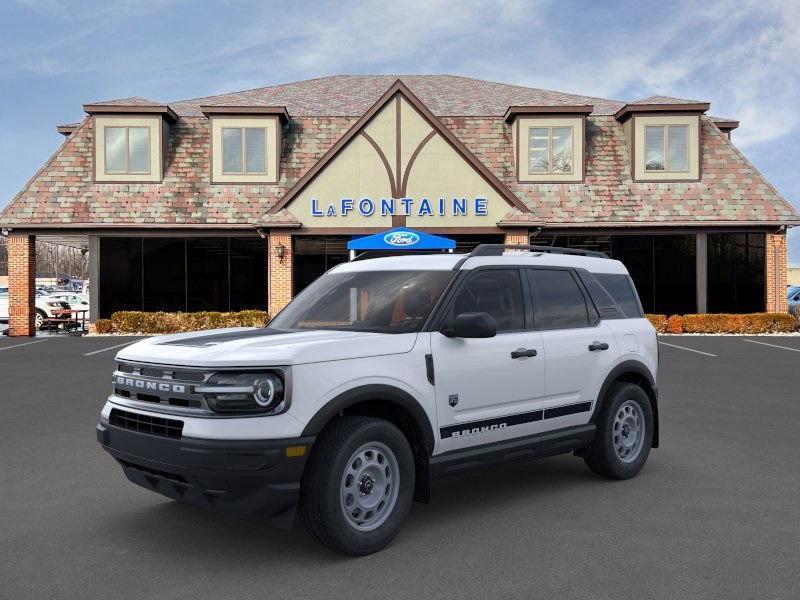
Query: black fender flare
x=386 y=393
x=638 y=368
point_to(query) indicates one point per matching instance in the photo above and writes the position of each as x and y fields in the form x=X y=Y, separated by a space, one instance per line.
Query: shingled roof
x=131 y=101
x=731 y=191
x=352 y=95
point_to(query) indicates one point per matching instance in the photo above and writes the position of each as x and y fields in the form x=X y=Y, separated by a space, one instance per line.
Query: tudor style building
x=240 y=200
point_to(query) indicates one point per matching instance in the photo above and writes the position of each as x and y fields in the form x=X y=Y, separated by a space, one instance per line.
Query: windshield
x=376 y=301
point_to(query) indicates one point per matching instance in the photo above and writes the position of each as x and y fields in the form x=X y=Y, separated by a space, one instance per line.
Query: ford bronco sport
x=384 y=374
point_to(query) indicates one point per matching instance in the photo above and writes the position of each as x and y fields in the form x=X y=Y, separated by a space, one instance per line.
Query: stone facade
x=22 y=284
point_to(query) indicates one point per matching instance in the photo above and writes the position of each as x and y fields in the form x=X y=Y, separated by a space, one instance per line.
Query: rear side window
x=498 y=293
x=561 y=304
x=621 y=289
x=606 y=306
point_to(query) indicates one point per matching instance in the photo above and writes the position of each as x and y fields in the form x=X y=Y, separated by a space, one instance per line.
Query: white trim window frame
x=551 y=154
x=127 y=149
x=667 y=148
x=244 y=154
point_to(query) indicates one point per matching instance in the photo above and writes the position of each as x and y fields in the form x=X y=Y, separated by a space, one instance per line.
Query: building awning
x=401 y=238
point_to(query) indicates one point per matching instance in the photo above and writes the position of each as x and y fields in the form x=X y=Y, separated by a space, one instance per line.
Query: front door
x=489 y=389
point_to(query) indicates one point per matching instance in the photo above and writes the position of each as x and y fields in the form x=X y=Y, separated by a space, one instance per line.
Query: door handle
x=598 y=346
x=523 y=352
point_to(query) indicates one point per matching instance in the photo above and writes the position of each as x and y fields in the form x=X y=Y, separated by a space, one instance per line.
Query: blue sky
x=56 y=55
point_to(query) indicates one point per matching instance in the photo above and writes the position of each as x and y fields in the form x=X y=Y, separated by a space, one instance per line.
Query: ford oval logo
x=401 y=238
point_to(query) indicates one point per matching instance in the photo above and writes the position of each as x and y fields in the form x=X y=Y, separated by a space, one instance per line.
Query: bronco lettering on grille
x=144 y=384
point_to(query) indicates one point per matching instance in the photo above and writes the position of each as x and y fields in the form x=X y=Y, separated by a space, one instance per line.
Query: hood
x=263 y=347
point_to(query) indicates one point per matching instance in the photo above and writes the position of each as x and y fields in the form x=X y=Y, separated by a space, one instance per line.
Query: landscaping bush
x=674 y=324
x=131 y=321
x=748 y=323
x=659 y=322
x=103 y=326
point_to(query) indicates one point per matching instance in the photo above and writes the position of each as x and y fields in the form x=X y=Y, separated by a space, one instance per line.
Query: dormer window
x=129 y=140
x=548 y=142
x=245 y=143
x=666 y=148
x=663 y=138
x=244 y=150
x=550 y=150
x=127 y=150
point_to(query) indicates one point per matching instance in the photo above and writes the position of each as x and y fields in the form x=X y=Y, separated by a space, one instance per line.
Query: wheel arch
x=396 y=406
x=631 y=371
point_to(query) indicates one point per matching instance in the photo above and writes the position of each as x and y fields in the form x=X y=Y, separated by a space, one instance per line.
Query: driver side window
x=495 y=292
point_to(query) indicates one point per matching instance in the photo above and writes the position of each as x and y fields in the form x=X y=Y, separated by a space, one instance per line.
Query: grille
x=161 y=385
x=168 y=428
x=162 y=372
x=148 y=471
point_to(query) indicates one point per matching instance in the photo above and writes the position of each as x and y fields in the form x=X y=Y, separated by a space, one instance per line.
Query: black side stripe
x=569 y=409
x=509 y=420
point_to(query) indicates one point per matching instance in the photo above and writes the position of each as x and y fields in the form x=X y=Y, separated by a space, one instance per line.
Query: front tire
x=358 y=487
x=39 y=318
x=624 y=433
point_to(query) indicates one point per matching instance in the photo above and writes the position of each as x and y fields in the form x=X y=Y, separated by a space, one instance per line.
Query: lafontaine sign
x=422 y=207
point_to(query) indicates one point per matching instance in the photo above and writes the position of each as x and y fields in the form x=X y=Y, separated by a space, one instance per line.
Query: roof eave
x=131 y=109
x=576 y=109
x=727 y=125
x=279 y=111
x=67 y=130
x=630 y=109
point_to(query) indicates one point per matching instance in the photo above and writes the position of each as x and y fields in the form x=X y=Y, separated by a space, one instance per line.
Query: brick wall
x=21 y=284
x=776 y=273
x=280 y=271
x=516 y=236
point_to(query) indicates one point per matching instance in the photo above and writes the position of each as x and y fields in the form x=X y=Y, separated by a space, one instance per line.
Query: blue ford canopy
x=401 y=238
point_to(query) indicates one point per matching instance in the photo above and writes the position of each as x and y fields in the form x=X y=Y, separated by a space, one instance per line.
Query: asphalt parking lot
x=714 y=514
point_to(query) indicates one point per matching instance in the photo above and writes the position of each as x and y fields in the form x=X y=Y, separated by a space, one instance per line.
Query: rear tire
x=358 y=486
x=624 y=433
x=39 y=318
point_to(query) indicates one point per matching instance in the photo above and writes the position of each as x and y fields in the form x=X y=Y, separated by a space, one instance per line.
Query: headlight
x=244 y=393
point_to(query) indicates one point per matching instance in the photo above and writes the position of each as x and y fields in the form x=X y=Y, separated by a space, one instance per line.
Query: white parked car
x=384 y=374
x=4 y=303
x=46 y=307
x=75 y=300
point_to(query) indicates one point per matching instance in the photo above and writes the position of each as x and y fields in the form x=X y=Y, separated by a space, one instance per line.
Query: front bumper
x=246 y=477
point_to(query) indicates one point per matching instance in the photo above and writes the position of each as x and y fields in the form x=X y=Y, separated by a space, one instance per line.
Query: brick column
x=517 y=236
x=280 y=271
x=775 y=273
x=21 y=284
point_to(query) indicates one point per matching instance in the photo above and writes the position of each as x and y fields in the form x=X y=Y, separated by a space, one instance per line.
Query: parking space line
x=687 y=349
x=771 y=345
x=20 y=345
x=110 y=348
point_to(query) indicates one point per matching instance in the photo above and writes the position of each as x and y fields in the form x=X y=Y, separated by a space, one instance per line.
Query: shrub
x=674 y=324
x=747 y=323
x=130 y=321
x=659 y=322
x=103 y=326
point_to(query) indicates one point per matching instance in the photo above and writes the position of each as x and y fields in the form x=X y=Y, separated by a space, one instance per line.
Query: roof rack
x=499 y=249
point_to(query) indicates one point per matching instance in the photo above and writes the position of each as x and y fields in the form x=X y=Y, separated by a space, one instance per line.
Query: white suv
x=384 y=374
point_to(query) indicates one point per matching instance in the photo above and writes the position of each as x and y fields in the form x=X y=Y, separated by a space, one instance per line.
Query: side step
x=539 y=445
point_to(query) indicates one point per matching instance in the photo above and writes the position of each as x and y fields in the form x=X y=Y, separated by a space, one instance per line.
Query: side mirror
x=472 y=325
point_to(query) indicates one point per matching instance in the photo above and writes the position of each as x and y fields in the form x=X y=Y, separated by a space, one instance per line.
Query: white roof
x=446 y=262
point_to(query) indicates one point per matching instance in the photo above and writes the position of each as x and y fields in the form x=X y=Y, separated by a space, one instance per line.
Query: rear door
x=579 y=349
x=489 y=389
